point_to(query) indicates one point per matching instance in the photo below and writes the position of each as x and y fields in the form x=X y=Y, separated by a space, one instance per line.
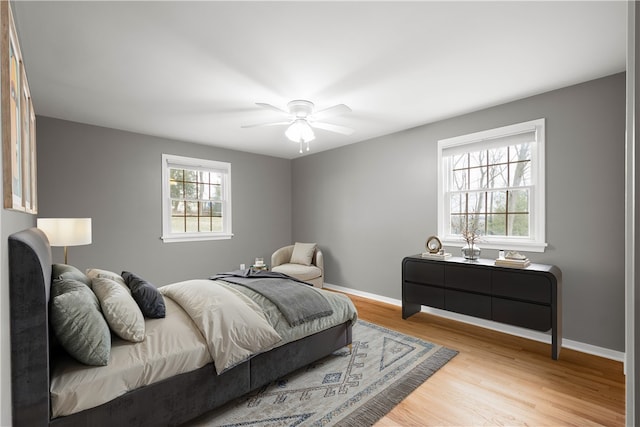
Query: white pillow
x=303 y=253
x=119 y=308
x=92 y=273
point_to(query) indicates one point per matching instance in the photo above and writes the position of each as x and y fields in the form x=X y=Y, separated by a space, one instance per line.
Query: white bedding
x=176 y=345
x=232 y=332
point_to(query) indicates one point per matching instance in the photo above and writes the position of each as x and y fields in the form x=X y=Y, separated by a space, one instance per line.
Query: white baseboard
x=500 y=327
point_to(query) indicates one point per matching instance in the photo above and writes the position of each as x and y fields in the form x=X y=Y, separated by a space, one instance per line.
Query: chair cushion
x=301 y=272
x=303 y=253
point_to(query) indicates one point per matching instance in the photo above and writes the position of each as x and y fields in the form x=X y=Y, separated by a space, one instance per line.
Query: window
x=196 y=199
x=493 y=182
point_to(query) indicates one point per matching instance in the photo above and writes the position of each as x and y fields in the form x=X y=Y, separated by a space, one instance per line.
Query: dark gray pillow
x=78 y=323
x=147 y=296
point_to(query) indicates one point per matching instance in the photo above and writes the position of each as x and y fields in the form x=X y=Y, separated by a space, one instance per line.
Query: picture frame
x=18 y=121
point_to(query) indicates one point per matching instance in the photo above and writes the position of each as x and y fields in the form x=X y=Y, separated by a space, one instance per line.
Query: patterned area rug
x=348 y=388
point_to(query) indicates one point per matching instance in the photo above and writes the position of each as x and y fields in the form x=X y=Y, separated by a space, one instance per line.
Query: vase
x=471 y=252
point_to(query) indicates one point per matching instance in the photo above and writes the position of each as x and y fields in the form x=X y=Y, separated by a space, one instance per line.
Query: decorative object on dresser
x=529 y=298
x=513 y=259
x=433 y=245
x=355 y=387
x=471 y=235
x=304 y=261
x=66 y=232
x=140 y=386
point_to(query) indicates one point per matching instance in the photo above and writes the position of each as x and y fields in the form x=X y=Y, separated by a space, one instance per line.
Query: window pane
x=205 y=224
x=216 y=224
x=190 y=176
x=457 y=203
x=176 y=190
x=478 y=178
x=498 y=176
x=177 y=224
x=460 y=180
x=217 y=209
x=497 y=201
x=190 y=191
x=176 y=174
x=496 y=225
x=215 y=178
x=479 y=158
x=460 y=161
x=498 y=155
x=520 y=152
x=191 y=208
x=518 y=201
x=520 y=174
x=475 y=204
x=457 y=223
x=192 y=224
x=518 y=225
x=205 y=208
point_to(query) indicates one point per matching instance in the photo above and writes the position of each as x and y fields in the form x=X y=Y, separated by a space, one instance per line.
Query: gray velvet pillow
x=78 y=323
x=65 y=271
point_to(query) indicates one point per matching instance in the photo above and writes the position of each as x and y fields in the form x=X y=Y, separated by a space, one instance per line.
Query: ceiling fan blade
x=255 y=125
x=336 y=110
x=332 y=128
x=272 y=107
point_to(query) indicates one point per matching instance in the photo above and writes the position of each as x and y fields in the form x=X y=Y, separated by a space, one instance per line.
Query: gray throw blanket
x=298 y=302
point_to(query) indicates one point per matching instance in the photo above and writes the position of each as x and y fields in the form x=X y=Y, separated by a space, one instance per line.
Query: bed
x=163 y=399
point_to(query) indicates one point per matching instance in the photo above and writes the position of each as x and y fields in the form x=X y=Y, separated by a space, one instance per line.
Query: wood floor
x=498 y=379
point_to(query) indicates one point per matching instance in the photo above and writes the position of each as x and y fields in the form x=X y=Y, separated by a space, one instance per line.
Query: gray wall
x=114 y=177
x=370 y=204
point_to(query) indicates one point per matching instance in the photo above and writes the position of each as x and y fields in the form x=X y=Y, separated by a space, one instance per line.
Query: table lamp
x=66 y=231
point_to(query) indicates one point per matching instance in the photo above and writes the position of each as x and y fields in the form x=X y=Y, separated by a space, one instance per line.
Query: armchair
x=304 y=261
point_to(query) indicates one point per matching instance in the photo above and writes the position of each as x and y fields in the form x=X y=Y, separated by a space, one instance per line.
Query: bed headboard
x=29 y=290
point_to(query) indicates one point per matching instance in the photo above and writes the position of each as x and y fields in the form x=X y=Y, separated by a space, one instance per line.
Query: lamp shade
x=66 y=231
x=300 y=131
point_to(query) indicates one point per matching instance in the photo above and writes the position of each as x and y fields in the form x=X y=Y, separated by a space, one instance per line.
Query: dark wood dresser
x=527 y=297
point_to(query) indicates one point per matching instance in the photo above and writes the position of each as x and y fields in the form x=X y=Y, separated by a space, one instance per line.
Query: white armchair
x=305 y=263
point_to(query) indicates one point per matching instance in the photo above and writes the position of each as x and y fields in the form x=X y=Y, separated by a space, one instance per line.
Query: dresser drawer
x=526 y=315
x=423 y=272
x=471 y=278
x=466 y=303
x=528 y=287
x=423 y=295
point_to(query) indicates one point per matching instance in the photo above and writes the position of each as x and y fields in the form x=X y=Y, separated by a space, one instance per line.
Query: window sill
x=501 y=245
x=195 y=237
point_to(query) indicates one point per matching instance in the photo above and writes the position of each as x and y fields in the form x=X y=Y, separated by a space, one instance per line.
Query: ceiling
x=193 y=71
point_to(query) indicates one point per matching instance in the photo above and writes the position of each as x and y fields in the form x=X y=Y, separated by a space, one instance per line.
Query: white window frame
x=172 y=161
x=536 y=242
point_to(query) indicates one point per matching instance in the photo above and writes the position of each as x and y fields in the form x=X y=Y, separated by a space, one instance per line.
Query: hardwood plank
x=499 y=379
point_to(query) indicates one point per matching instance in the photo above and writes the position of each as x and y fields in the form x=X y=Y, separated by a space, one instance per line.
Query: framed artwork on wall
x=18 y=121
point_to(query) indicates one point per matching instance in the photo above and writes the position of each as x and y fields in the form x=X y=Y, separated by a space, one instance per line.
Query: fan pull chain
x=307 y=145
x=301 y=146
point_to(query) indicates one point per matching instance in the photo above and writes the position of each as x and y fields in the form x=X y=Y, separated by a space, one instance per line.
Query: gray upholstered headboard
x=29 y=290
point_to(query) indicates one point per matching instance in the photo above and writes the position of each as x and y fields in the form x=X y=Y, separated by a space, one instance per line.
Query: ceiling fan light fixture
x=300 y=131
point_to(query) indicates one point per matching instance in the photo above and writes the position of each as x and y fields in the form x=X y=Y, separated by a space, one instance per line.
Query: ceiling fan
x=301 y=119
